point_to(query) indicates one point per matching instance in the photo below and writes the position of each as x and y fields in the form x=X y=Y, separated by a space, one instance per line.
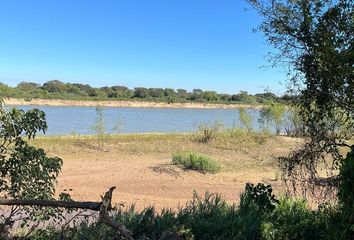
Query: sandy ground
x=143 y=175
x=51 y=102
x=144 y=180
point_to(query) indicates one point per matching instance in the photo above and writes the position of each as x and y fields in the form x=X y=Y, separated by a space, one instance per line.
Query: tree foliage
x=56 y=89
x=272 y=114
x=315 y=39
x=26 y=172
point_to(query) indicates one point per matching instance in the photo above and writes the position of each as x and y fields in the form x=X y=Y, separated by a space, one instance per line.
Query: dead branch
x=51 y=203
x=104 y=216
x=103 y=207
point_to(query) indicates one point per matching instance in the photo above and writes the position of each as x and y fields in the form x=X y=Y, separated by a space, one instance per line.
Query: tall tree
x=28 y=86
x=315 y=40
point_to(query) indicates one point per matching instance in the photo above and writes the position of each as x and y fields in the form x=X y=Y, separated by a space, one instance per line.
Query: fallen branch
x=51 y=203
x=103 y=207
x=104 y=216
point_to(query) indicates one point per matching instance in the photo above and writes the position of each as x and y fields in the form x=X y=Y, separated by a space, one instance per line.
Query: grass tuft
x=195 y=161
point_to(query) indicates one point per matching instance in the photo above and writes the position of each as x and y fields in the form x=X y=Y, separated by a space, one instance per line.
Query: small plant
x=207 y=133
x=117 y=129
x=99 y=127
x=195 y=161
x=245 y=119
x=78 y=139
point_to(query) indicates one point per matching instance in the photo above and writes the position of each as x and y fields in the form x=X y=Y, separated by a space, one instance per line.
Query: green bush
x=259 y=216
x=260 y=196
x=346 y=191
x=294 y=219
x=195 y=161
x=210 y=217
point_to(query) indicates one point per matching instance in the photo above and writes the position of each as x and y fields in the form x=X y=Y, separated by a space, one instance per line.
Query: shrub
x=195 y=161
x=255 y=203
x=245 y=119
x=293 y=219
x=261 y=195
x=207 y=133
x=345 y=193
x=259 y=216
x=210 y=217
x=99 y=127
x=273 y=113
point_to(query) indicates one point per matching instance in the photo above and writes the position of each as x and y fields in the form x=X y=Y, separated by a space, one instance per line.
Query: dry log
x=103 y=207
x=104 y=216
x=51 y=203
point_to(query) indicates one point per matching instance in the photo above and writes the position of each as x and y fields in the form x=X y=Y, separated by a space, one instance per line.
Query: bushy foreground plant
x=26 y=172
x=346 y=192
x=195 y=161
x=258 y=216
x=294 y=219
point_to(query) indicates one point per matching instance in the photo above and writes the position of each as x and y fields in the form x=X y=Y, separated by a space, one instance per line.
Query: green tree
x=6 y=91
x=182 y=93
x=169 y=92
x=156 y=92
x=122 y=91
x=243 y=97
x=27 y=86
x=108 y=92
x=273 y=113
x=224 y=97
x=315 y=38
x=26 y=171
x=210 y=96
x=197 y=94
x=141 y=92
x=73 y=90
x=54 y=86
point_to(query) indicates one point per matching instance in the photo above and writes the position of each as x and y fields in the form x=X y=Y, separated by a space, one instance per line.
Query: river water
x=80 y=120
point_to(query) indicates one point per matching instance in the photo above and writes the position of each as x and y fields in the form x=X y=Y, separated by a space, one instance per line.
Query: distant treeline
x=56 y=89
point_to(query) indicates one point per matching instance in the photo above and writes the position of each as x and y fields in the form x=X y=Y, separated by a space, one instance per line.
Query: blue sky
x=207 y=44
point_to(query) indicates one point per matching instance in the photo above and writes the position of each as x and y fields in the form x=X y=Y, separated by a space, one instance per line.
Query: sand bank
x=58 y=102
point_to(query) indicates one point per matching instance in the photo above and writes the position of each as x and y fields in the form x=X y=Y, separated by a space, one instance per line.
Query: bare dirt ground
x=139 y=165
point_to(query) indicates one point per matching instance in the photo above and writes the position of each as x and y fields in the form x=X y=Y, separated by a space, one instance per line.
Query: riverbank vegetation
x=258 y=216
x=56 y=89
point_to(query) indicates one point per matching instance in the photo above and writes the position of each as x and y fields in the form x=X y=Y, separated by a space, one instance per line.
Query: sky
x=207 y=44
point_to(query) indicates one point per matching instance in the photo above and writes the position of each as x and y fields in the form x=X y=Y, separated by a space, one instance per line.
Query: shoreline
x=118 y=103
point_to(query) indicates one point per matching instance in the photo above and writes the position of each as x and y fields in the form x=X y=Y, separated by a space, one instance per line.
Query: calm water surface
x=69 y=120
